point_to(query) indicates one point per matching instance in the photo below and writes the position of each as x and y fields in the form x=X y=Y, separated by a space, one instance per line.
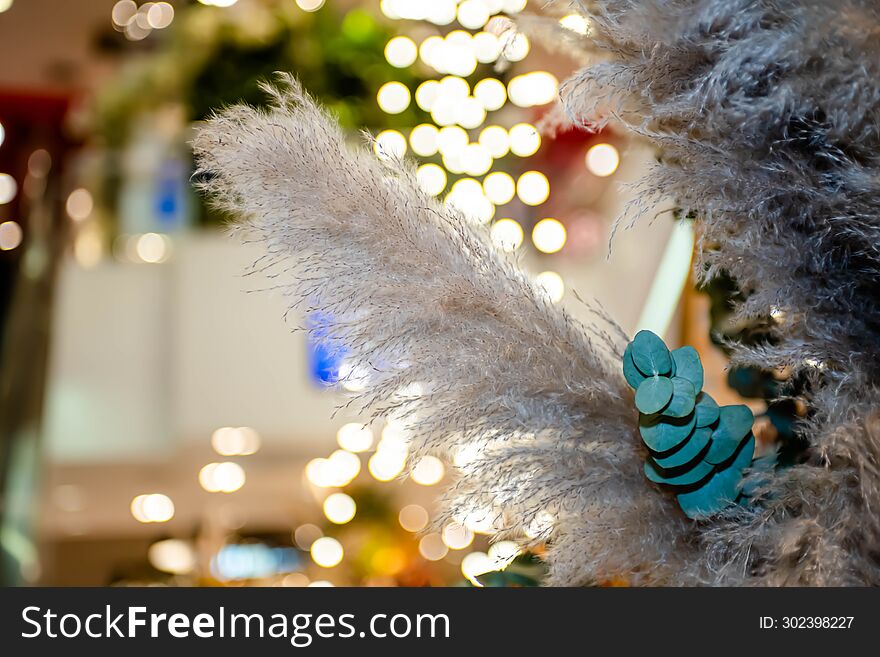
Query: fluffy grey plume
x=457 y=342
x=765 y=115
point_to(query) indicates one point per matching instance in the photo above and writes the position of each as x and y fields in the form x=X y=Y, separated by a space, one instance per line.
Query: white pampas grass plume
x=456 y=343
x=765 y=117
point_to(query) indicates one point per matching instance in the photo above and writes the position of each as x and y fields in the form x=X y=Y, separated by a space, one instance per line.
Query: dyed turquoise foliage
x=696 y=448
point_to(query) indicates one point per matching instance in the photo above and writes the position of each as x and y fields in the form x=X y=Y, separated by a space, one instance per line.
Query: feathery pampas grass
x=765 y=115
x=457 y=342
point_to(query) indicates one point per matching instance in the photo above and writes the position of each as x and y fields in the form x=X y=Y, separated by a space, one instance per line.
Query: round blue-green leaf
x=630 y=371
x=683 y=398
x=653 y=394
x=665 y=434
x=650 y=355
x=687 y=365
x=693 y=476
x=706 y=410
x=721 y=490
x=734 y=424
x=690 y=451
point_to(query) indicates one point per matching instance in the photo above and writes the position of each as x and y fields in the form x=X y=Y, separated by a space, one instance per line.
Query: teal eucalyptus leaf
x=654 y=394
x=683 y=398
x=706 y=409
x=734 y=424
x=693 y=476
x=650 y=355
x=721 y=490
x=687 y=365
x=630 y=371
x=665 y=434
x=689 y=452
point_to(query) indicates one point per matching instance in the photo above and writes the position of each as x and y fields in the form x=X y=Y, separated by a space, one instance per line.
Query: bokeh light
x=339 y=508
x=602 y=160
x=226 y=477
x=507 y=235
x=11 y=235
x=355 y=437
x=533 y=188
x=552 y=285
x=413 y=518
x=549 y=235
x=327 y=552
x=152 y=507
x=393 y=97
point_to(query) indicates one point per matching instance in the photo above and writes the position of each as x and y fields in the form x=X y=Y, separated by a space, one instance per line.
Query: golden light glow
x=235 y=441
x=428 y=471
x=172 y=556
x=151 y=248
x=552 y=285
x=432 y=547
x=496 y=140
x=79 y=204
x=533 y=188
x=602 y=160
x=507 y=235
x=549 y=235
x=393 y=97
x=152 y=507
x=473 y=14
x=499 y=187
x=424 y=139
x=310 y=5
x=305 y=535
x=426 y=93
x=476 y=564
x=413 y=518
x=339 y=508
x=354 y=437
x=575 y=23
x=401 y=51
x=456 y=536
x=226 y=477
x=390 y=144
x=491 y=93
x=432 y=179
x=525 y=140
x=533 y=89
x=8 y=188
x=11 y=235
x=327 y=552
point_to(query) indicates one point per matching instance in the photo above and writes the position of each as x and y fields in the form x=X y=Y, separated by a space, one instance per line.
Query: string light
x=79 y=204
x=476 y=564
x=575 y=23
x=424 y=139
x=327 y=552
x=525 y=140
x=428 y=471
x=496 y=139
x=235 y=441
x=507 y=235
x=390 y=144
x=413 y=518
x=8 y=188
x=602 y=160
x=499 y=188
x=393 y=97
x=152 y=507
x=310 y=5
x=491 y=94
x=11 y=235
x=354 y=437
x=456 y=536
x=533 y=188
x=549 y=235
x=552 y=285
x=431 y=178
x=339 y=508
x=401 y=52
x=226 y=477
x=432 y=547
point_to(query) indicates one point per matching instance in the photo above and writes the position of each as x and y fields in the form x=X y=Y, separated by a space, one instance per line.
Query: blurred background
x=161 y=422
